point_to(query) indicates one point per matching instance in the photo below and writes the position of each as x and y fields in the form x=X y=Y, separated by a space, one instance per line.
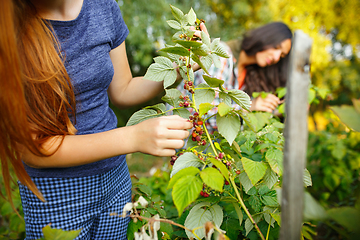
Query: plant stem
x=245 y=209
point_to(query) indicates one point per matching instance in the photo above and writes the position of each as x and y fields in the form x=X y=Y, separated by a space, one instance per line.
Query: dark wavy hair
x=268 y=78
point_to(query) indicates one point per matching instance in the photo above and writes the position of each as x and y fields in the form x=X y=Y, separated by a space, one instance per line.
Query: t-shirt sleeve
x=119 y=29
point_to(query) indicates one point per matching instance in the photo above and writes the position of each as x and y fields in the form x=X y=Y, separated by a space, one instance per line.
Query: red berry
x=198 y=138
x=221 y=155
x=196 y=114
x=200 y=122
x=186 y=104
x=238 y=172
x=194 y=134
x=203 y=142
x=226 y=182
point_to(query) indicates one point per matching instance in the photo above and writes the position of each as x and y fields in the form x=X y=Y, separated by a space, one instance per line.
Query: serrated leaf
x=162 y=70
x=245 y=181
x=241 y=98
x=198 y=61
x=204 y=108
x=188 y=44
x=228 y=126
x=248 y=226
x=188 y=159
x=224 y=109
x=182 y=112
x=254 y=170
x=203 y=94
x=177 y=13
x=185 y=191
x=200 y=214
x=213 y=82
x=58 y=234
x=205 y=39
x=348 y=115
x=212 y=178
x=191 y=17
x=172 y=97
x=270 y=200
x=183 y=172
x=144 y=189
x=221 y=167
x=174 y=24
x=225 y=97
x=274 y=157
x=307 y=178
x=160 y=107
x=176 y=50
x=216 y=59
x=203 y=50
x=142 y=115
x=218 y=48
x=270 y=178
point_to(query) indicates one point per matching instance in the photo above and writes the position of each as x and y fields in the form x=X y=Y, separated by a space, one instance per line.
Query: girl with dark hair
x=257 y=62
x=60 y=63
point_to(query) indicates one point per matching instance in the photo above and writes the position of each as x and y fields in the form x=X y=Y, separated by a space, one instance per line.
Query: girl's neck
x=245 y=60
x=61 y=10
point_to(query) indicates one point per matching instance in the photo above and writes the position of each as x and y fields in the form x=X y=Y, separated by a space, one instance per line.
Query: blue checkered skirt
x=79 y=203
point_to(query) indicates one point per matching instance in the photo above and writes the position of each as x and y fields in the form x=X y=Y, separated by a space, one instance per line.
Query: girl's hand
x=161 y=136
x=268 y=104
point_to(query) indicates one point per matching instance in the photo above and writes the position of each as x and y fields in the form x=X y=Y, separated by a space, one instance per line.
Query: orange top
x=241 y=78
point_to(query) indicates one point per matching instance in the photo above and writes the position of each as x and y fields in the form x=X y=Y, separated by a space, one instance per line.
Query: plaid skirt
x=79 y=203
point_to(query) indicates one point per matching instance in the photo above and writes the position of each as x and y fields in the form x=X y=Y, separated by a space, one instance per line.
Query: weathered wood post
x=296 y=136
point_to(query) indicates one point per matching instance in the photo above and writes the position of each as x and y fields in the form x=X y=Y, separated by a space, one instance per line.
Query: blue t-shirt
x=86 y=42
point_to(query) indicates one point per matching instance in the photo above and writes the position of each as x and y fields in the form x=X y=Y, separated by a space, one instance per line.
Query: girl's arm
x=124 y=90
x=157 y=136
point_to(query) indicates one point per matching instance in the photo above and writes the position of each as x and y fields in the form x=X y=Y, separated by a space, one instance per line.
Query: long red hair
x=36 y=95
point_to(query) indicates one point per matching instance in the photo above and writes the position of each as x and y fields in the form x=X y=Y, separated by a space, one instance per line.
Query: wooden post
x=296 y=137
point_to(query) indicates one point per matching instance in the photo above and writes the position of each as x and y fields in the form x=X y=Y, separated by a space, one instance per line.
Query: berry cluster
x=197 y=133
x=185 y=101
x=204 y=194
x=188 y=85
x=173 y=159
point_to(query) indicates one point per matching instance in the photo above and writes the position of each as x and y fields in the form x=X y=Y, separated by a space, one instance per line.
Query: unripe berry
x=194 y=134
x=186 y=104
x=198 y=129
x=200 y=122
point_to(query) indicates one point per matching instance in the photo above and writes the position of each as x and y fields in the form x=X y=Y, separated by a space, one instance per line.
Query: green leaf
x=255 y=170
x=225 y=97
x=205 y=39
x=162 y=70
x=270 y=200
x=255 y=203
x=274 y=157
x=228 y=126
x=203 y=94
x=218 y=48
x=183 y=172
x=312 y=209
x=145 y=189
x=185 y=191
x=216 y=59
x=347 y=217
x=281 y=92
x=323 y=92
x=221 y=167
x=311 y=96
x=199 y=215
x=203 y=50
x=349 y=116
x=196 y=59
x=176 y=50
x=191 y=17
x=188 y=159
x=248 y=226
x=132 y=228
x=58 y=234
x=270 y=178
x=188 y=44
x=238 y=212
x=172 y=97
x=224 y=109
x=182 y=112
x=245 y=181
x=307 y=178
x=142 y=115
x=177 y=13
x=160 y=107
x=204 y=108
x=241 y=98
x=213 y=82
x=174 y=24
x=212 y=178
